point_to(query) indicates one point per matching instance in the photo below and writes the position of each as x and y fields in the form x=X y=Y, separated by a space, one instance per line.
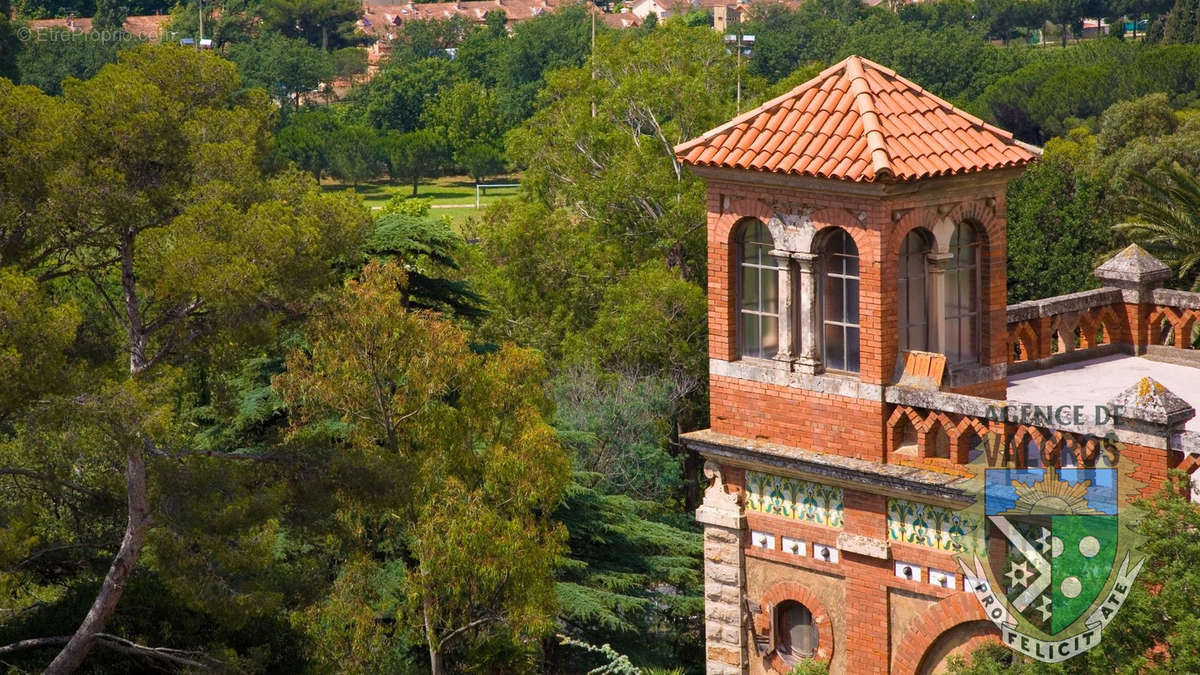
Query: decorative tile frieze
x=794 y=498
x=936 y=527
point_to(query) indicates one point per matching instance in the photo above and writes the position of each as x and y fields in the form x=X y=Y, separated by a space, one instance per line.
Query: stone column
x=1137 y=274
x=810 y=358
x=938 y=262
x=786 y=350
x=724 y=578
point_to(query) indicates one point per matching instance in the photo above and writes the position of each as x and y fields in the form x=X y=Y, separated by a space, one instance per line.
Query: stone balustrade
x=943 y=431
x=1130 y=314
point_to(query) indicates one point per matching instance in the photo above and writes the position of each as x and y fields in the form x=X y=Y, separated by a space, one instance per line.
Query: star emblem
x=1018 y=574
x=1043 y=541
x=1044 y=607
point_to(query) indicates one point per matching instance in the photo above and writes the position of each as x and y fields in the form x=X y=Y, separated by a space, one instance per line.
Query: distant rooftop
x=1098 y=381
x=858 y=121
x=148 y=26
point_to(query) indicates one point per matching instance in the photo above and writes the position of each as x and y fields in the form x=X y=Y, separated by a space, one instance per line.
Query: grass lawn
x=453 y=196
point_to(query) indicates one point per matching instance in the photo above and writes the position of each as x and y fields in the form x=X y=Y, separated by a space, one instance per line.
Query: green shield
x=1083 y=551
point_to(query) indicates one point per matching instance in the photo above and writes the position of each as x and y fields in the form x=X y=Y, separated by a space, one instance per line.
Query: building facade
x=858 y=336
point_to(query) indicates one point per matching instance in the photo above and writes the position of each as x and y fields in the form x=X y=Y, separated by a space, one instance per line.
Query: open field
x=453 y=196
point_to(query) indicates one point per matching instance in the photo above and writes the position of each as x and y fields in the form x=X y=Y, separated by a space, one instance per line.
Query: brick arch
x=747 y=209
x=900 y=232
x=796 y=592
x=825 y=230
x=1095 y=322
x=735 y=229
x=1024 y=335
x=1176 y=321
x=899 y=415
x=983 y=216
x=923 y=631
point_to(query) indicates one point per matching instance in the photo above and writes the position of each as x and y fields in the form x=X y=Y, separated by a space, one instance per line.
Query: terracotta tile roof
x=858 y=121
x=149 y=26
x=382 y=19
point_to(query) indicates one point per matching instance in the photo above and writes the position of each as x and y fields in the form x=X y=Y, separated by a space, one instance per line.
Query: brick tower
x=856 y=240
x=859 y=342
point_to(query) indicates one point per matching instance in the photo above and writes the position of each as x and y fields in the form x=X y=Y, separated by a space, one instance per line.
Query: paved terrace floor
x=1098 y=381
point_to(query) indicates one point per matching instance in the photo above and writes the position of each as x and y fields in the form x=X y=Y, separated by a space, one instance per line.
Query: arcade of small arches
x=955 y=439
x=938 y=299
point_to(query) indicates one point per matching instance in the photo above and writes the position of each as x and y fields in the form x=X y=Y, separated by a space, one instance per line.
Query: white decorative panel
x=909 y=571
x=828 y=554
x=941 y=578
x=762 y=540
x=794 y=546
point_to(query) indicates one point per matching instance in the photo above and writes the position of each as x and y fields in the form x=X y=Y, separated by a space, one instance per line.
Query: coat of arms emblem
x=1057 y=557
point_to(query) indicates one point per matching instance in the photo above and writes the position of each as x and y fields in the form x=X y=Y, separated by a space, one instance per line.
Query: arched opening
x=904 y=437
x=963 y=296
x=1019 y=352
x=839 y=301
x=758 y=293
x=976 y=448
x=1166 y=333
x=796 y=630
x=940 y=447
x=958 y=640
x=913 y=291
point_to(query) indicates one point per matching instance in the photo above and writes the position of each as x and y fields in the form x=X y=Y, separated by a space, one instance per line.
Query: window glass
x=962 y=296
x=913 y=290
x=839 y=302
x=758 y=297
x=797 y=632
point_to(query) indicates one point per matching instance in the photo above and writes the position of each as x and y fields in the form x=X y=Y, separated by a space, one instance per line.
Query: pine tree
x=632 y=580
x=1181 y=23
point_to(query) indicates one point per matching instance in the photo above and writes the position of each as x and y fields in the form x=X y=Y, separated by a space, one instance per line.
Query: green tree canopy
x=326 y=24
x=176 y=247
x=416 y=155
x=396 y=98
x=286 y=68
x=461 y=458
x=46 y=62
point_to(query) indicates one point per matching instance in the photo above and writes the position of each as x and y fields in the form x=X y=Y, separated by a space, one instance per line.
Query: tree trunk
x=416 y=178
x=1064 y=35
x=138 y=505
x=72 y=655
x=435 y=652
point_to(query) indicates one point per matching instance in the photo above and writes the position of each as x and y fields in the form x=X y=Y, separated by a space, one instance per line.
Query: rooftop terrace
x=1096 y=382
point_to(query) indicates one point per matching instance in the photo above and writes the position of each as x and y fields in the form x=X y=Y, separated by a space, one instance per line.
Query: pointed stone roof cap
x=862 y=122
x=1149 y=401
x=1133 y=264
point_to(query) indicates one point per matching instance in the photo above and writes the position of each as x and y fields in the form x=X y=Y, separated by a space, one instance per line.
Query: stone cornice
x=892 y=480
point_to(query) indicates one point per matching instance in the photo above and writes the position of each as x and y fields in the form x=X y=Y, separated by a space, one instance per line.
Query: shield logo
x=1051 y=541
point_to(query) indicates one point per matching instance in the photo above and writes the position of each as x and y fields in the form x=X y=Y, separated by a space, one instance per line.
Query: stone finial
x=1135 y=266
x=1151 y=403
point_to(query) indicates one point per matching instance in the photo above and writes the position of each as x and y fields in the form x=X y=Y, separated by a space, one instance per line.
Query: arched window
x=962 y=296
x=914 y=292
x=839 y=301
x=758 y=316
x=797 y=632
